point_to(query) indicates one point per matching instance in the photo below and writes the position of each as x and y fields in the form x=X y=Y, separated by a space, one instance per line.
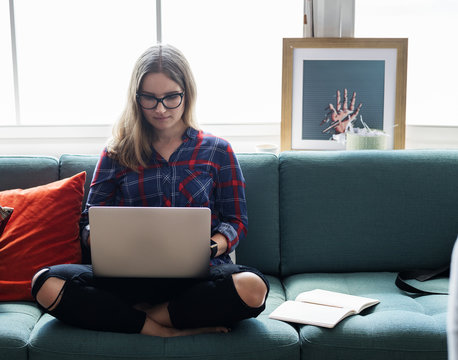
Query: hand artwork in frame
x=330 y=83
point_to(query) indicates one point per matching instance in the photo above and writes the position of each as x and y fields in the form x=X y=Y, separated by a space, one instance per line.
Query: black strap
x=421 y=275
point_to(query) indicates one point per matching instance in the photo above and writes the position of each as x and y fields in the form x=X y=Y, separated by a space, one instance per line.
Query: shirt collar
x=190 y=133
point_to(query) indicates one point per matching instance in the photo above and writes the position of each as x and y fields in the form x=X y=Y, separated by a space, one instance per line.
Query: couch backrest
x=70 y=165
x=367 y=210
x=22 y=172
x=261 y=247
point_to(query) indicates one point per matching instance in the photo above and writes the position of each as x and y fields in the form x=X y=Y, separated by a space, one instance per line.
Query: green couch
x=341 y=221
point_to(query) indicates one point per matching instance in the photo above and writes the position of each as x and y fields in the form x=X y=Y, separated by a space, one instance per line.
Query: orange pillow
x=43 y=230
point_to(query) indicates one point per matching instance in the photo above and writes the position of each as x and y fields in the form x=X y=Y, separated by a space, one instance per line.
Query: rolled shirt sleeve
x=230 y=201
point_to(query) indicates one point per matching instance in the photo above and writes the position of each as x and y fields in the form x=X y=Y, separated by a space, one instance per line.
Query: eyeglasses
x=150 y=102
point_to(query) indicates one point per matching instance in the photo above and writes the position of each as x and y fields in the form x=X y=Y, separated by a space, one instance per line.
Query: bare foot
x=152 y=328
x=158 y=313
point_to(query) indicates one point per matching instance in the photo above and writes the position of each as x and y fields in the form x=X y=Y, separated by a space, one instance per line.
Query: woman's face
x=157 y=86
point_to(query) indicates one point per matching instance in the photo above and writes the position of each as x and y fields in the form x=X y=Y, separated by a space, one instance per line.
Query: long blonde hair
x=132 y=134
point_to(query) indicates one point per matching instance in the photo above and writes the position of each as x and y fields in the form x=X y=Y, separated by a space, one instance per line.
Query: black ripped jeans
x=106 y=304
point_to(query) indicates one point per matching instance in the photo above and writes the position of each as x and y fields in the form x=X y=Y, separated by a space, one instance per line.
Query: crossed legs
x=250 y=289
x=209 y=306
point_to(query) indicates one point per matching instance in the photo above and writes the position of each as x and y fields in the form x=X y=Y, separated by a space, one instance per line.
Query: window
x=235 y=51
x=75 y=57
x=432 y=77
x=7 y=111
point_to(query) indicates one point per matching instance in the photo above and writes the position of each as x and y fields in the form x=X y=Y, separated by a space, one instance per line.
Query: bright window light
x=432 y=76
x=75 y=57
x=235 y=51
x=7 y=110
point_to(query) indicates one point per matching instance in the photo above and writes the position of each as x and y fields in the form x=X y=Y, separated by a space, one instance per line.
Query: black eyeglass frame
x=159 y=100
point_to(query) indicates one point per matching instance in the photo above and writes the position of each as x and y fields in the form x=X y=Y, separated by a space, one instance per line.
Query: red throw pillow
x=43 y=230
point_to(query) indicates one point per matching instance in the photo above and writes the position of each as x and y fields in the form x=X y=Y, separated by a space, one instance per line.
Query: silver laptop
x=166 y=242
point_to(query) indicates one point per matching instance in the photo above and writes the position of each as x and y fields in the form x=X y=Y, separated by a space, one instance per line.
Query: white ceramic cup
x=267 y=148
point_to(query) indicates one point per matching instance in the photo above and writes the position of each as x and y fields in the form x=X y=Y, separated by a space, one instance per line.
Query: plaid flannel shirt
x=202 y=172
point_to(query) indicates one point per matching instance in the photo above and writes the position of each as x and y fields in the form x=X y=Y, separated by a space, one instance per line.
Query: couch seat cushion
x=402 y=326
x=17 y=320
x=260 y=338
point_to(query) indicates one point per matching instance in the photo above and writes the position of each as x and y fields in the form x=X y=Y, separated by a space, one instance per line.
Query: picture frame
x=367 y=75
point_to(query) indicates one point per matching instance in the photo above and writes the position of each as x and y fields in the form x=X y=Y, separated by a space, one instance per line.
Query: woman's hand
x=221 y=240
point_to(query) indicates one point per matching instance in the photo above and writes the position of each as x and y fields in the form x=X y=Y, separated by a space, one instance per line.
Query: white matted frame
x=301 y=92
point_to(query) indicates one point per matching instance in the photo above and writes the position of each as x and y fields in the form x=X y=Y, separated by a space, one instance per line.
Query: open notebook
x=321 y=308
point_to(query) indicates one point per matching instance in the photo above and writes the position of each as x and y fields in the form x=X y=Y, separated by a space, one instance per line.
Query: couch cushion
x=367 y=210
x=27 y=171
x=260 y=338
x=17 y=320
x=261 y=247
x=70 y=165
x=399 y=327
x=42 y=231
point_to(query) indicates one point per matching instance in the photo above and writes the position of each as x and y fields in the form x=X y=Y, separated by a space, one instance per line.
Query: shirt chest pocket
x=196 y=187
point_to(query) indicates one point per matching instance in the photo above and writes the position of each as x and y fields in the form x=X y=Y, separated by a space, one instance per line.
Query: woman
x=158 y=157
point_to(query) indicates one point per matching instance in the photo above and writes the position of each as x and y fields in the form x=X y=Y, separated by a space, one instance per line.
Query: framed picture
x=330 y=83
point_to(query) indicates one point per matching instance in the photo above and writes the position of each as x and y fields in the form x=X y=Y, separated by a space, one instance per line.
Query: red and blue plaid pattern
x=202 y=172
